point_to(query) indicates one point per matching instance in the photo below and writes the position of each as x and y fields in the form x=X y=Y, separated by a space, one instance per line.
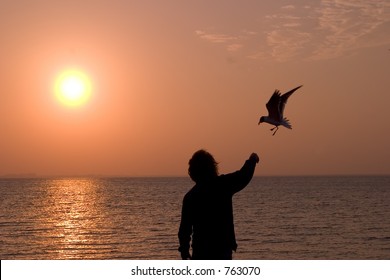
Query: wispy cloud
x=287 y=43
x=345 y=24
x=329 y=29
x=232 y=43
x=288 y=7
x=214 y=37
x=288 y=35
x=311 y=31
x=234 y=47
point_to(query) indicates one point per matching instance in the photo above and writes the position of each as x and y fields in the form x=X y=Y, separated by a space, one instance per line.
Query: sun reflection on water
x=100 y=219
x=75 y=211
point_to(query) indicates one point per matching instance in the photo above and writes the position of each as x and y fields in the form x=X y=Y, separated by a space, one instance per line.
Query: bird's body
x=275 y=107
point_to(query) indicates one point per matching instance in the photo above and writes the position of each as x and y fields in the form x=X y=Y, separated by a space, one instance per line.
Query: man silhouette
x=207 y=211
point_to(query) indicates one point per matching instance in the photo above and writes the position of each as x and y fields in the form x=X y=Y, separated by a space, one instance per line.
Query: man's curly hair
x=202 y=166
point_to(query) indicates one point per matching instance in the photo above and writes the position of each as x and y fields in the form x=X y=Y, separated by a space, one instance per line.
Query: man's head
x=202 y=166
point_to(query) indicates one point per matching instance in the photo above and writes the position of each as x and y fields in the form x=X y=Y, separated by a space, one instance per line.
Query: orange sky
x=171 y=77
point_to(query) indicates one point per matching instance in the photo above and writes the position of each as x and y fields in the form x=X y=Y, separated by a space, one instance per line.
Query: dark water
x=138 y=218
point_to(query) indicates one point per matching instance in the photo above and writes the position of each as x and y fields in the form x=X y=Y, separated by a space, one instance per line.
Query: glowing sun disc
x=73 y=88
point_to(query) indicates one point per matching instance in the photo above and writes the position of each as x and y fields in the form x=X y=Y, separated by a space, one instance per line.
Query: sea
x=276 y=218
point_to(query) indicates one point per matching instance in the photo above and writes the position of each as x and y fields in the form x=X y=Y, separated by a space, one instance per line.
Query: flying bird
x=275 y=107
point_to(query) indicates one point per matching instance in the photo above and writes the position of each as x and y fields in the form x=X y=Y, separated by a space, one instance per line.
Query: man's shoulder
x=191 y=192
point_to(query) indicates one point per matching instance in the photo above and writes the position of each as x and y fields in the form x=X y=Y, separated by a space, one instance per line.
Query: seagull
x=275 y=107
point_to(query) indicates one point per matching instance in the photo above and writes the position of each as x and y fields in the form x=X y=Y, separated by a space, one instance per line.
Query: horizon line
x=102 y=176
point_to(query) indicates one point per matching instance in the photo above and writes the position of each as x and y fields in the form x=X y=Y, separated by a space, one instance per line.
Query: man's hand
x=254 y=157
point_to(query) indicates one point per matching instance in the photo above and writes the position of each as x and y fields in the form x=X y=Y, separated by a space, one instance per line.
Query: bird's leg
x=275 y=130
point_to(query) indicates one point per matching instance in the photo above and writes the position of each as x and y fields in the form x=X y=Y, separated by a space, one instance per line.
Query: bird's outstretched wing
x=283 y=100
x=273 y=106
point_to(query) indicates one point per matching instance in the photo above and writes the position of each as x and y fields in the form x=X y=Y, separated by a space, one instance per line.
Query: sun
x=73 y=88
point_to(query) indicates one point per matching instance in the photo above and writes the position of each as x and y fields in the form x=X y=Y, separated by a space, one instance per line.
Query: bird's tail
x=286 y=123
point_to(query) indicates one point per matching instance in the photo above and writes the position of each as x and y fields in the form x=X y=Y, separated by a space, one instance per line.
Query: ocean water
x=138 y=218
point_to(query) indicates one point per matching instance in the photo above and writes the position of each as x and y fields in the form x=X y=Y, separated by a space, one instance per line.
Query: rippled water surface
x=138 y=218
